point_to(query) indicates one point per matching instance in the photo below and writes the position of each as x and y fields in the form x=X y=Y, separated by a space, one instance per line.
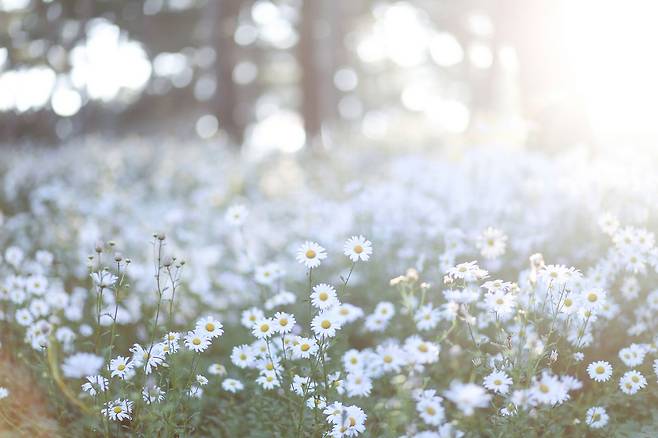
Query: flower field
x=161 y=290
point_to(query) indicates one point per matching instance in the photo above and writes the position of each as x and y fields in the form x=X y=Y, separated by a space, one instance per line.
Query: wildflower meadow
x=328 y=219
x=494 y=294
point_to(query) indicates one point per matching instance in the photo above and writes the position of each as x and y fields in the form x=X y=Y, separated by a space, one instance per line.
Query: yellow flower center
x=264 y=328
x=210 y=327
x=269 y=366
x=423 y=348
x=353 y=361
x=326 y=324
x=358 y=249
x=323 y=296
x=498 y=382
x=310 y=254
x=117 y=409
x=305 y=347
x=283 y=322
x=600 y=369
x=243 y=356
x=592 y=297
x=121 y=367
x=352 y=422
x=196 y=341
x=499 y=301
x=430 y=410
x=544 y=388
x=635 y=379
x=388 y=358
x=568 y=302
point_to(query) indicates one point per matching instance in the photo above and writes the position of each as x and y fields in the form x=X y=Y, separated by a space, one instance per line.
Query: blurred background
x=282 y=75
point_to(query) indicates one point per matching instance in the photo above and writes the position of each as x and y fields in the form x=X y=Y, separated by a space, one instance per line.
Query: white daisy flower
x=170 y=343
x=633 y=356
x=385 y=310
x=549 y=390
x=431 y=411
x=236 y=215
x=94 y=385
x=284 y=322
x=242 y=356
x=210 y=327
x=302 y=385
x=120 y=367
x=149 y=358
x=250 y=316
x=152 y=394
x=268 y=273
x=263 y=328
x=325 y=324
x=596 y=417
x=467 y=272
x=358 y=385
x=24 y=317
x=631 y=382
x=492 y=243
x=501 y=303
x=351 y=422
x=197 y=341
x=195 y=391
x=498 y=381
x=324 y=296
x=593 y=299
x=348 y=313
x=352 y=360
x=358 y=248
x=333 y=412
x=599 y=371
x=118 y=410
x=427 y=317
x=37 y=284
x=216 y=369
x=422 y=352
x=232 y=385
x=304 y=347
x=268 y=380
x=311 y=254
x=392 y=357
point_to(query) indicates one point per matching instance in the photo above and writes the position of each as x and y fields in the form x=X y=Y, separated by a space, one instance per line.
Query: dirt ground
x=24 y=412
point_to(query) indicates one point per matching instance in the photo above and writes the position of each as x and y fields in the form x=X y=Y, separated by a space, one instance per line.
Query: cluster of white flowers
x=479 y=332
